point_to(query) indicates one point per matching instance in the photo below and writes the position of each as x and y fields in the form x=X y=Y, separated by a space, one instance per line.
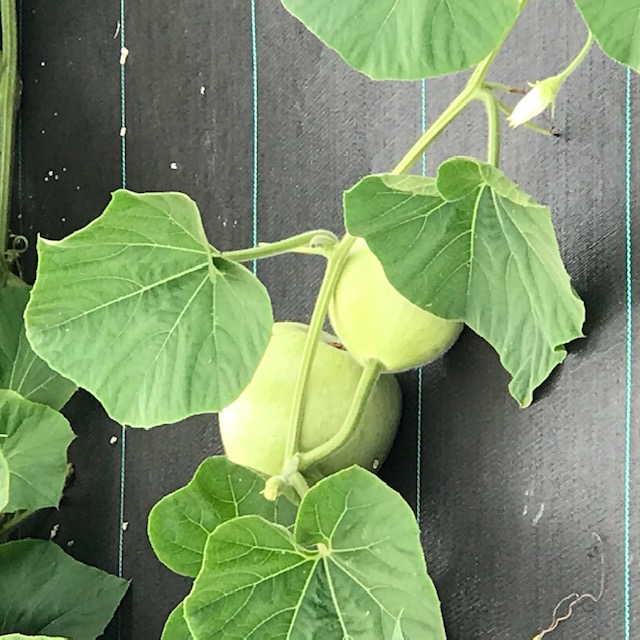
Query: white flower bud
x=542 y=95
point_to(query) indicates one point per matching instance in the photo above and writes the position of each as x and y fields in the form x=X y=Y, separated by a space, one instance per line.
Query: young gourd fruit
x=254 y=428
x=373 y=320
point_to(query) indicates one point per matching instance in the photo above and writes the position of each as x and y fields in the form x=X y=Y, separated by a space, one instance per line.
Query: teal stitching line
x=123 y=160
x=423 y=127
x=254 y=87
x=629 y=336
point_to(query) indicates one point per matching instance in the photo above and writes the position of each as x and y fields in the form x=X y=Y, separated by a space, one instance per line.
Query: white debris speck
x=174 y=165
x=125 y=526
x=113 y=440
x=54 y=531
x=55 y=114
x=78 y=188
x=525 y=510
x=538 y=515
x=43 y=131
x=203 y=90
x=224 y=223
x=63 y=219
x=124 y=54
x=50 y=173
x=56 y=177
x=376 y=464
x=46 y=178
x=118 y=27
x=123 y=132
x=71 y=543
x=43 y=63
x=64 y=169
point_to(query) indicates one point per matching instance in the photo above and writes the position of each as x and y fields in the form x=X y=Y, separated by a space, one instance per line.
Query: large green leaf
x=352 y=568
x=408 y=39
x=44 y=591
x=34 y=448
x=220 y=490
x=138 y=309
x=176 y=627
x=19 y=636
x=5 y=478
x=615 y=25
x=472 y=246
x=20 y=368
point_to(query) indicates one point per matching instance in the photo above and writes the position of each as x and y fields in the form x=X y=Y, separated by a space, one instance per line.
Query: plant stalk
x=8 y=108
x=368 y=379
x=582 y=54
x=8 y=526
x=316 y=242
x=334 y=268
x=493 y=126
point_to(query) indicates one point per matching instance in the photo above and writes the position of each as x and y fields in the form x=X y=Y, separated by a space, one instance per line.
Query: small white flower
x=542 y=95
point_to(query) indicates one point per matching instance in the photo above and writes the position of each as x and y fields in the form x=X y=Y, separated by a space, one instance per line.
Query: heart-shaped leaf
x=33 y=441
x=176 y=329
x=176 y=626
x=220 y=490
x=44 y=591
x=20 y=368
x=616 y=27
x=408 y=39
x=472 y=246
x=352 y=568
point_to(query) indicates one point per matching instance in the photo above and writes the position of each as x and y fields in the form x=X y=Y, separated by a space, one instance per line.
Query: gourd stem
x=493 y=126
x=335 y=263
x=370 y=374
x=315 y=242
x=8 y=106
x=13 y=522
x=573 y=65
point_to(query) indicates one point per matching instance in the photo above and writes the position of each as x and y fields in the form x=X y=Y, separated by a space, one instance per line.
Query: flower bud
x=542 y=95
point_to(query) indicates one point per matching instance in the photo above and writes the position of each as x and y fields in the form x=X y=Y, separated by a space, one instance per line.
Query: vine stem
x=493 y=125
x=370 y=374
x=582 y=54
x=8 y=105
x=6 y=528
x=334 y=268
x=317 y=242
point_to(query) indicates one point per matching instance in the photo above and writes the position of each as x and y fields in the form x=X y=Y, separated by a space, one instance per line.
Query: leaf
x=472 y=246
x=616 y=27
x=351 y=566
x=19 y=636
x=151 y=322
x=44 y=591
x=35 y=451
x=176 y=627
x=4 y=478
x=408 y=39
x=20 y=368
x=220 y=490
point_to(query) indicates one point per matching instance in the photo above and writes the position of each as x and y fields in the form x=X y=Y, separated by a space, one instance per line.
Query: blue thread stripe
x=123 y=160
x=254 y=88
x=423 y=127
x=629 y=380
